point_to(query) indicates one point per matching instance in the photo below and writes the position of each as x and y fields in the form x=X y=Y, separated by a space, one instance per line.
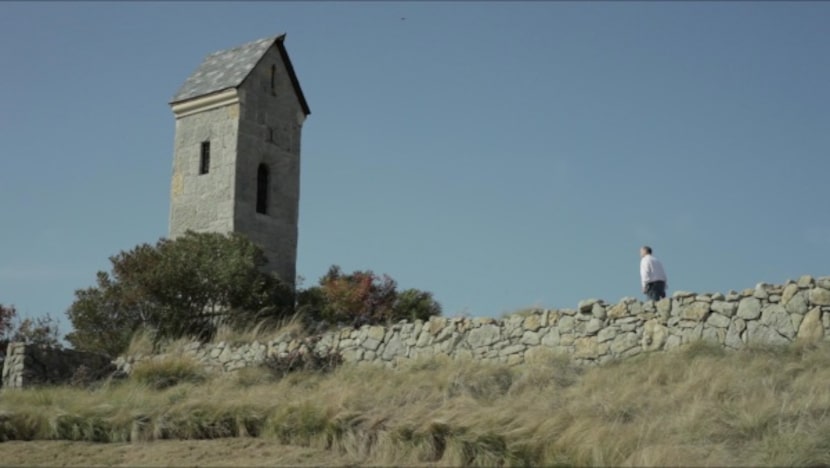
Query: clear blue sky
x=500 y=155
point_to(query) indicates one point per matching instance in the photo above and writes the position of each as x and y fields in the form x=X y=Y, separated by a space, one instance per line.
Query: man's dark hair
x=647 y=249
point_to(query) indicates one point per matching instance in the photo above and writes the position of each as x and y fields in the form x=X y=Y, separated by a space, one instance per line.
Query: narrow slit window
x=262 y=189
x=204 y=159
x=273 y=80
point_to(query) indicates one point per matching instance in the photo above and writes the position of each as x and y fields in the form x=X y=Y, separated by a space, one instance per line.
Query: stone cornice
x=205 y=103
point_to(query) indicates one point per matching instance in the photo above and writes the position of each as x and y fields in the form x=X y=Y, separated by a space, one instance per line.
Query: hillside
x=698 y=405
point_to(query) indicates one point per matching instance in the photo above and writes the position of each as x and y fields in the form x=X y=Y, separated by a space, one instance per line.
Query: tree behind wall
x=180 y=287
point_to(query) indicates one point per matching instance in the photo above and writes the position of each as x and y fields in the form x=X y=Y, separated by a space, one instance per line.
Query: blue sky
x=500 y=155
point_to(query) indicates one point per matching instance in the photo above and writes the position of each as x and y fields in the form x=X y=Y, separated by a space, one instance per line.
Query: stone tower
x=236 y=159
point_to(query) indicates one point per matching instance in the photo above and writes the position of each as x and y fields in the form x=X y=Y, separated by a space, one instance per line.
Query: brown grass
x=698 y=406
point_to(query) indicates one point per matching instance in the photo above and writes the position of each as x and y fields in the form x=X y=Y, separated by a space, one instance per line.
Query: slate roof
x=228 y=69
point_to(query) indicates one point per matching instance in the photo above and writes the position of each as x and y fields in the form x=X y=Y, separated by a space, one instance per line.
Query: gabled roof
x=228 y=69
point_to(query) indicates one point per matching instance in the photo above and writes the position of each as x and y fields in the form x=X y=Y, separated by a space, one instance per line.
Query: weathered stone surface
x=758 y=333
x=513 y=349
x=820 y=296
x=789 y=291
x=376 y=333
x=531 y=338
x=681 y=294
x=823 y=282
x=761 y=291
x=551 y=339
x=594 y=325
x=607 y=333
x=696 y=311
x=749 y=308
x=733 y=335
x=371 y=344
x=533 y=322
x=797 y=304
x=714 y=335
x=654 y=335
x=483 y=336
x=724 y=308
x=663 y=306
x=624 y=342
x=566 y=324
x=394 y=348
x=811 y=328
x=805 y=281
x=586 y=306
x=598 y=311
x=718 y=320
x=775 y=317
x=586 y=348
x=618 y=310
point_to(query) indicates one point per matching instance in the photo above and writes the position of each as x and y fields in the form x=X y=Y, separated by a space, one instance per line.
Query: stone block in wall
x=797 y=304
x=673 y=341
x=696 y=311
x=761 y=291
x=592 y=326
x=733 y=334
x=713 y=335
x=776 y=317
x=690 y=335
x=664 y=307
x=654 y=335
x=749 y=308
x=718 y=321
x=758 y=333
x=532 y=322
x=796 y=320
x=531 y=338
x=819 y=296
x=724 y=308
x=394 y=348
x=566 y=324
x=370 y=344
x=483 y=336
x=586 y=348
x=624 y=342
x=608 y=333
x=551 y=338
x=513 y=349
x=618 y=310
x=823 y=282
x=811 y=328
x=805 y=281
x=586 y=306
x=790 y=290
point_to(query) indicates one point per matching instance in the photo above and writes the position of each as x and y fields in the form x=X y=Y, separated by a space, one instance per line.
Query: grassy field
x=695 y=406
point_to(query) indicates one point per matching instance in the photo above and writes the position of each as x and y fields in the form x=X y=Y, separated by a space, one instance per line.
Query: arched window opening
x=262 y=189
x=273 y=80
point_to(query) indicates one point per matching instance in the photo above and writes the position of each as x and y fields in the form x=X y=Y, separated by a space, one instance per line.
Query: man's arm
x=644 y=267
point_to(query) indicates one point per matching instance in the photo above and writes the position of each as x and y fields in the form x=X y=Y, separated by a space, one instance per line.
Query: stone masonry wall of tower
x=269 y=133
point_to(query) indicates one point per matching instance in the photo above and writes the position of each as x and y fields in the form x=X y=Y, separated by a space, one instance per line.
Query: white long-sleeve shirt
x=651 y=270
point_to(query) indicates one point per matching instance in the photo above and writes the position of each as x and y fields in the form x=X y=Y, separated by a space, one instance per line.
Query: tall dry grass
x=697 y=406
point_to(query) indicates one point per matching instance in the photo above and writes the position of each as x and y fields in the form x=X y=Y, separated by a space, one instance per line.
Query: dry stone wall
x=594 y=332
x=31 y=365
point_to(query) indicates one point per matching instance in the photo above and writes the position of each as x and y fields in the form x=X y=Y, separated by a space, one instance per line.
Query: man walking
x=652 y=275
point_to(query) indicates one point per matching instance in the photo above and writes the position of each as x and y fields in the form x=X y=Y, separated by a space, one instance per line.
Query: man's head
x=645 y=250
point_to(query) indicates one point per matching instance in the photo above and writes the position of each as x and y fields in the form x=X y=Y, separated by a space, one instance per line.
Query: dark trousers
x=656 y=290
